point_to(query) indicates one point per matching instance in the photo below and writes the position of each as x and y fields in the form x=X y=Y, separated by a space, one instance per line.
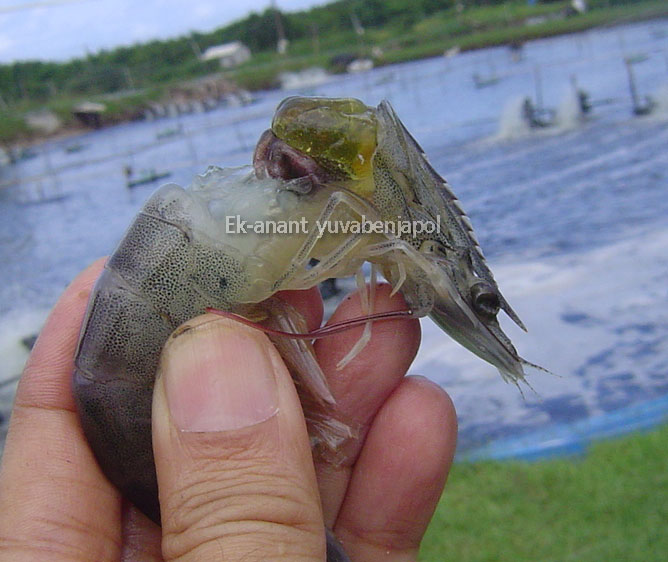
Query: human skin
x=246 y=488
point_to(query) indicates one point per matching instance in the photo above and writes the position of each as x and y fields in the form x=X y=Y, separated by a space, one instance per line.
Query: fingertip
x=383 y=297
x=407 y=328
x=432 y=403
x=419 y=417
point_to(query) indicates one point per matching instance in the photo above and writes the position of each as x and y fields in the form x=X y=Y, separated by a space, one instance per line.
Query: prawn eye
x=485 y=299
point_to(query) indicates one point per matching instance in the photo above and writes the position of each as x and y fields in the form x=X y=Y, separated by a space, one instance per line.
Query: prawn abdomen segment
x=116 y=419
x=122 y=335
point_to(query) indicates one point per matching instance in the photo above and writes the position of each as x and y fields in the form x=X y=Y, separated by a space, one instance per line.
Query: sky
x=58 y=30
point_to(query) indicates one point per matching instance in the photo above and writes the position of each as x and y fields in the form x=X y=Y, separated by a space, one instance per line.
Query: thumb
x=232 y=454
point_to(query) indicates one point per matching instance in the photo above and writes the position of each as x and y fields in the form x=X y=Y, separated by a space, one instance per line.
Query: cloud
x=203 y=11
x=6 y=44
x=144 y=31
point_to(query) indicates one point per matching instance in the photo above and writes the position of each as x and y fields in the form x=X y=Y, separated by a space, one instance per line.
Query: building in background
x=228 y=54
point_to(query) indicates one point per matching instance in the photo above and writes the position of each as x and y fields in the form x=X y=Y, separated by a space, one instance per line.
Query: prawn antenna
x=323 y=332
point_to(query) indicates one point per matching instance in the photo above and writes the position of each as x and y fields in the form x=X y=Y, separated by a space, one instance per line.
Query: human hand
x=251 y=492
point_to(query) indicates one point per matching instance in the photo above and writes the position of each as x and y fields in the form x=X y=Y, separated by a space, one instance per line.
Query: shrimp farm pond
x=562 y=170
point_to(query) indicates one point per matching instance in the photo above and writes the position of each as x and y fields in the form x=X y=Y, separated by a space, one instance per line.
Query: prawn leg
x=336 y=200
x=323 y=269
x=404 y=256
x=326 y=266
x=299 y=354
x=368 y=297
x=326 y=430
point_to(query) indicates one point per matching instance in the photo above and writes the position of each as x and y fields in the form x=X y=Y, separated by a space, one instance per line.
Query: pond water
x=572 y=218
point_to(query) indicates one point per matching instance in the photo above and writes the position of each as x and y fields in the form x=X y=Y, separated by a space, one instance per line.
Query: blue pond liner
x=573 y=438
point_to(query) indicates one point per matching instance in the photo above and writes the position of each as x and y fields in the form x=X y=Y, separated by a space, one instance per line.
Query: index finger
x=363 y=386
x=53 y=497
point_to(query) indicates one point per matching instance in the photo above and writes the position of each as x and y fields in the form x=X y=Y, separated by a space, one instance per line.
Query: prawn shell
x=158 y=278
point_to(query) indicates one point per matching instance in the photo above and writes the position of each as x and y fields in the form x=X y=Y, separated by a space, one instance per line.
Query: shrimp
x=323 y=162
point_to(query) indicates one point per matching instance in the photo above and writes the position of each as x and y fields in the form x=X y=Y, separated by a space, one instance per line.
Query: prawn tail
x=327 y=430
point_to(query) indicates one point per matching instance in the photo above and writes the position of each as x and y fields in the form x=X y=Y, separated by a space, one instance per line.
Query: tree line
x=159 y=62
x=163 y=61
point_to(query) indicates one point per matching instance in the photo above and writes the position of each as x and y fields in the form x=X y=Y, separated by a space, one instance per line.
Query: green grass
x=12 y=127
x=123 y=108
x=610 y=505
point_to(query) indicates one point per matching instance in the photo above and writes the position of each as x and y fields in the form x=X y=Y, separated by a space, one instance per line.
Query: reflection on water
x=572 y=217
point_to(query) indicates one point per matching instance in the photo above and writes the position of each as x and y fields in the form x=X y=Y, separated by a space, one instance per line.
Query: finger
x=54 y=501
x=365 y=383
x=232 y=454
x=308 y=303
x=400 y=474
